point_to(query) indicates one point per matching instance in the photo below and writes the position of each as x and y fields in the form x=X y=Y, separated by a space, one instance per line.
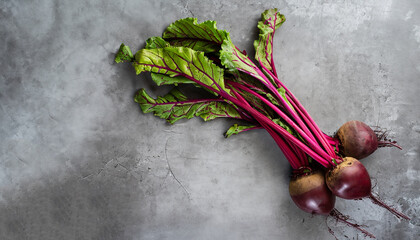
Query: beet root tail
x=344 y=219
x=398 y=214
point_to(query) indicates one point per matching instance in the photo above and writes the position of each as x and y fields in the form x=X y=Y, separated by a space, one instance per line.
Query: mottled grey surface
x=78 y=160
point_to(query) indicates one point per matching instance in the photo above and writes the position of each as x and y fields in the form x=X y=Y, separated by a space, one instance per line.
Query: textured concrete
x=78 y=160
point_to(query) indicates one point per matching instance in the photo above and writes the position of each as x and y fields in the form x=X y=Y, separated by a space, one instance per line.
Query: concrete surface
x=80 y=161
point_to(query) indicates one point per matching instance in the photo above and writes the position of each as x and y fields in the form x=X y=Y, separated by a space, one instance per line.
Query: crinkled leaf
x=162 y=79
x=270 y=20
x=289 y=129
x=181 y=61
x=175 y=106
x=284 y=125
x=124 y=54
x=259 y=88
x=262 y=107
x=256 y=86
x=236 y=129
x=156 y=42
x=203 y=37
x=257 y=104
x=265 y=93
x=272 y=99
x=234 y=60
x=282 y=92
x=262 y=91
x=218 y=109
x=198 y=45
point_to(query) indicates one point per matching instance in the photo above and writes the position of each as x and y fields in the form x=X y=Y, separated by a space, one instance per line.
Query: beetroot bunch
x=249 y=90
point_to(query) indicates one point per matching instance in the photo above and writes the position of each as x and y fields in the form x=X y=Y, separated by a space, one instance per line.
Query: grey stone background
x=80 y=161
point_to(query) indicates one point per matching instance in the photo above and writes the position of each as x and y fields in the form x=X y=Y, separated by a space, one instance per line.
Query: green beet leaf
x=289 y=129
x=282 y=92
x=156 y=42
x=236 y=129
x=181 y=61
x=175 y=106
x=234 y=60
x=124 y=54
x=270 y=20
x=162 y=79
x=187 y=32
x=198 y=45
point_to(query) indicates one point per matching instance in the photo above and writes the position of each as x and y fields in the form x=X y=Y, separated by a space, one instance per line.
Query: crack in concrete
x=171 y=172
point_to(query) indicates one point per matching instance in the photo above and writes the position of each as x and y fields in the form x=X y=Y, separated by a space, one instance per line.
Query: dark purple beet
x=349 y=180
x=311 y=194
x=357 y=139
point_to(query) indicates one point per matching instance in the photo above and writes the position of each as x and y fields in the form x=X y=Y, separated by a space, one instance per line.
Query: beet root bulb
x=349 y=179
x=357 y=139
x=311 y=194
